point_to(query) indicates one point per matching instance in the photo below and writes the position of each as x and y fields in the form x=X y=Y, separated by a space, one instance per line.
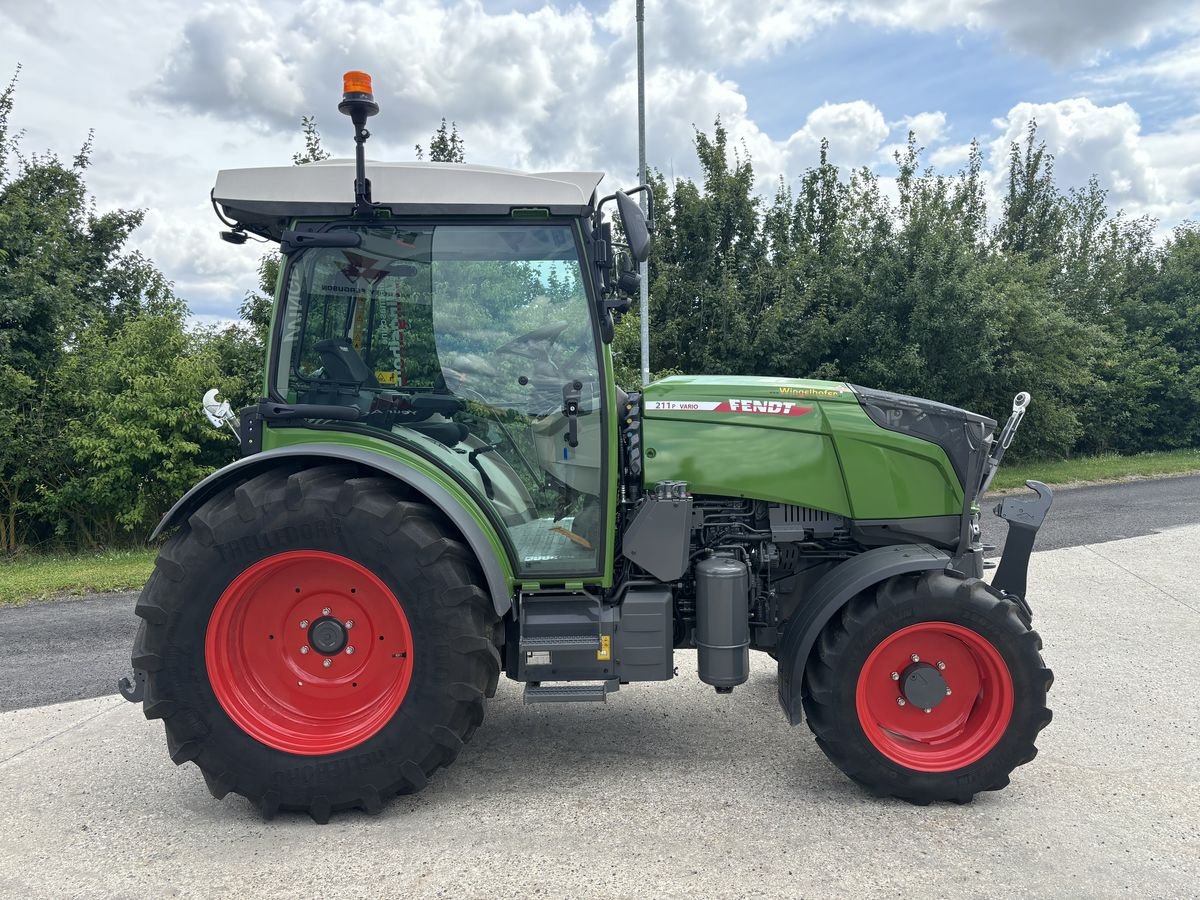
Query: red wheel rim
x=272 y=679
x=958 y=730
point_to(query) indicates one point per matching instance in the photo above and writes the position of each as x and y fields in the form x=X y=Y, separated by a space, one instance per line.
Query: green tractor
x=443 y=484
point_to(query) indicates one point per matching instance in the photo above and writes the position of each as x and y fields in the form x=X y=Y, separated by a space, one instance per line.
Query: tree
x=134 y=428
x=1032 y=216
x=98 y=374
x=313 y=150
x=445 y=146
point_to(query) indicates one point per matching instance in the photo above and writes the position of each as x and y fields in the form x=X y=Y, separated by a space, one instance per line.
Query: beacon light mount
x=358 y=102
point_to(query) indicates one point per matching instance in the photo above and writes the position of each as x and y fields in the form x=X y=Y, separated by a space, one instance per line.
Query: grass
x=37 y=576
x=1093 y=469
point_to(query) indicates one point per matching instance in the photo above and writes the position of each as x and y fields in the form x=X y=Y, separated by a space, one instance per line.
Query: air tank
x=723 y=622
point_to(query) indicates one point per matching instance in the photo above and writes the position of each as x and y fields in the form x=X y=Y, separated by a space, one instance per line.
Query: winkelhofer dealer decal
x=760 y=407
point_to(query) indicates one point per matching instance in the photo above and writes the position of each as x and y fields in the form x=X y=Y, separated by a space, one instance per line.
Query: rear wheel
x=928 y=687
x=313 y=641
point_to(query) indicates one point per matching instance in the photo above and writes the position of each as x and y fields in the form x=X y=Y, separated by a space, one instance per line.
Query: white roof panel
x=266 y=196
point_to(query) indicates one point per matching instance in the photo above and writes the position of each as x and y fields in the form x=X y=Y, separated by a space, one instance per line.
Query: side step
x=570 y=692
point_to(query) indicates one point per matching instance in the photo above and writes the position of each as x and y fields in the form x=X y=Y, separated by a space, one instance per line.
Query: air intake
x=801 y=523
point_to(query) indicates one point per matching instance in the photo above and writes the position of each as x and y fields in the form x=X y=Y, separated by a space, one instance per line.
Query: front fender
x=495 y=567
x=828 y=596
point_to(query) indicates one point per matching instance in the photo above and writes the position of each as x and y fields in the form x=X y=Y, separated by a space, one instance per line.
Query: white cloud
x=855 y=131
x=1174 y=155
x=505 y=73
x=1064 y=31
x=928 y=130
x=1087 y=139
x=949 y=158
x=929 y=127
x=720 y=32
x=1177 y=66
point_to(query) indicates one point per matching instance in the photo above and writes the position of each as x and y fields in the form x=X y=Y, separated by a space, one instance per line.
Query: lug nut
x=325 y=611
x=327 y=663
x=895 y=676
x=304 y=623
x=941 y=665
x=900 y=701
x=928 y=710
x=349 y=623
x=915 y=658
x=304 y=649
x=947 y=692
x=350 y=651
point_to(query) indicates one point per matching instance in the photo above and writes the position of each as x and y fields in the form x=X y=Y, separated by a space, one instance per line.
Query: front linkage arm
x=1024 y=516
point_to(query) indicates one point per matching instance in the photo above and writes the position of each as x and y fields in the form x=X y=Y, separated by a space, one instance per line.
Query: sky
x=175 y=90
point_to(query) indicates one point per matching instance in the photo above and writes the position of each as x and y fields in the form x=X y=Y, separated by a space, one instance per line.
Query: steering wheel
x=526 y=344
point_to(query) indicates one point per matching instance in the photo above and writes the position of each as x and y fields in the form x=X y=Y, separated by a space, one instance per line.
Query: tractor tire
x=928 y=687
x=313 y=641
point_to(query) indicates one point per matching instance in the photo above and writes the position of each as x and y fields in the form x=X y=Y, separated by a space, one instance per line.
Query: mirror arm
x=641 y=188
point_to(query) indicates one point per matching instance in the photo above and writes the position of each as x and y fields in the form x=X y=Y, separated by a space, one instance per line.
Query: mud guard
x=828 y=596
x=475 y=537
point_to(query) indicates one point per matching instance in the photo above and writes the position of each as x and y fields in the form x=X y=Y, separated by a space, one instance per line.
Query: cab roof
x=263 y=200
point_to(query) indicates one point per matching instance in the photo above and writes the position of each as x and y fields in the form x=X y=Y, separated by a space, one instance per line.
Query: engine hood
x=825 y=445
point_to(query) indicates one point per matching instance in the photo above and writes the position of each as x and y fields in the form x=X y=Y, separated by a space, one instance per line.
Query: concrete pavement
x=670 y=790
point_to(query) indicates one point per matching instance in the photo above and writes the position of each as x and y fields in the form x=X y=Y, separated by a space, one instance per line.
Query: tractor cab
x=461 y=313
x=472 y=343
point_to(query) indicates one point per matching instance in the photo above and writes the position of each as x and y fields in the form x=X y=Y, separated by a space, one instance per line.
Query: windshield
x=467 y=340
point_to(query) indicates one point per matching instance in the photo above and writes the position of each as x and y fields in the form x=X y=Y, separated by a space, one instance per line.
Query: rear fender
x=482 y=543
x=828 y=596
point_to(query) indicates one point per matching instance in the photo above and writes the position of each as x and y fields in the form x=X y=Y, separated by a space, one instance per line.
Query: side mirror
x=634 y=223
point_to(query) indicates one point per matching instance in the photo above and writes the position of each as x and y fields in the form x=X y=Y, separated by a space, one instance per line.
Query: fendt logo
x=761 y=407
x=764 y=407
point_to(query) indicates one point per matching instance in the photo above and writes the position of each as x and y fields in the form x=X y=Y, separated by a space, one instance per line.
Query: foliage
x=98 y=375
x=313 y=150
x=445 y=146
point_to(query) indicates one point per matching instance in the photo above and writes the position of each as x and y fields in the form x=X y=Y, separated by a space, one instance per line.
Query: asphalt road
x=1107 y=512
x=74 y=649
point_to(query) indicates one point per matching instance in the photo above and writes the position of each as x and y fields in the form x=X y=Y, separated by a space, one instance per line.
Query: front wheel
x=928 y=687
x=314 y=641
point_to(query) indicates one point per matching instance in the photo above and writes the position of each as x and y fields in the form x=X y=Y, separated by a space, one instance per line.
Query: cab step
x=570 y=692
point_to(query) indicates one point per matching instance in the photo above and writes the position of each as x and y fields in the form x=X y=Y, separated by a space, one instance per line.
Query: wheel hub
x=327 y=635
x=934 y=696
x=280 y=658
x=923 y=685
